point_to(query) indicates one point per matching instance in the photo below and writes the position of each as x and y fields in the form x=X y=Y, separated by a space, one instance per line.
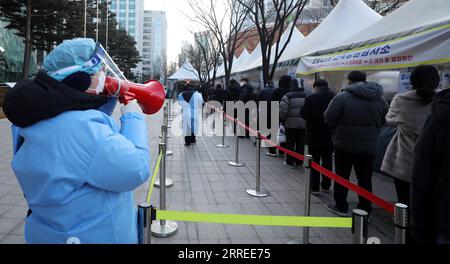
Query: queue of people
x=348 y=124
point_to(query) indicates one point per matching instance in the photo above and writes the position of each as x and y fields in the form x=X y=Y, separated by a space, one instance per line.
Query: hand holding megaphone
x=150 y=96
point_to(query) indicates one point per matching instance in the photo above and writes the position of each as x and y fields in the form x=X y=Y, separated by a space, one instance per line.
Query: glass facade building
x=129 y=15
x=154 y=43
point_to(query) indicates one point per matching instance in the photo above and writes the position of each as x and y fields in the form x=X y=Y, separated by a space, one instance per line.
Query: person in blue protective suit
x=191 y=102
x=76 y=166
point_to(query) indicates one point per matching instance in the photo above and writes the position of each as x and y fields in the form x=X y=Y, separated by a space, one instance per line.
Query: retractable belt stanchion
x=257 y=192
x=144 y=223
x=236 y=162
x=307 y=165
x=166 y=119
x=163 y=228
x=169 y=182
x=359 y=226
x=224 y=132
x=169 y=118
x=401 y=223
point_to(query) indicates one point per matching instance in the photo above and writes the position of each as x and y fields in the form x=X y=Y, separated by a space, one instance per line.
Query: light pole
x=96 y=31
x=85 y=17
x=107 y=21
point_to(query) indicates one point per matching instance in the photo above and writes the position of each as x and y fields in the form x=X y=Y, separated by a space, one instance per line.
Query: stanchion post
x=236 y=162
x=163 y=228
x=169 y=118
x=164 y=129
x=257 y=192
x=359 y=226
x=169 y=182
x=224 y=132
x=401 y=223
x=307 y=165
x=144 y=223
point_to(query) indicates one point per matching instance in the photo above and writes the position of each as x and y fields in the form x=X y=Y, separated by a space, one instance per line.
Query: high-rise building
x=154 y=52
x=129 y=15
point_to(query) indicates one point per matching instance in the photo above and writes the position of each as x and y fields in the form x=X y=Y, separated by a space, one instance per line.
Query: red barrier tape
x=349 y=185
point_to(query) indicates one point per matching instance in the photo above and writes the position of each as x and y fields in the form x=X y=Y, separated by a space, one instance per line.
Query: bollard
x=257 y=192
x=144 y=223
x=224 y=132
x=307 y=165
x=236 y=163
x=359 y=226
x=163 y=228
x=401 y=223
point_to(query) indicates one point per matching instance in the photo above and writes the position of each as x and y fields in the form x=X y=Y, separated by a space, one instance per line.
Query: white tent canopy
x=241 y=61
x=416 y=33
x=413 y=16
x=185 y=72
x=346 y=19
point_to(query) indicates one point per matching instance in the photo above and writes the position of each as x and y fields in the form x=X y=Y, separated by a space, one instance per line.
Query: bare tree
x=225 y=28
x=383 y=7
x=271 y=19
x=210 y=53
x=195 y=57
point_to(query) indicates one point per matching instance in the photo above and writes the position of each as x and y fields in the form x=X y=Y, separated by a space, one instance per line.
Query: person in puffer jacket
x=356 y=115
x=290 y=106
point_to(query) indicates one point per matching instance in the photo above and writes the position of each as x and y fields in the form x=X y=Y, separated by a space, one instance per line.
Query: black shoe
x=332 y=208
x=326 y=190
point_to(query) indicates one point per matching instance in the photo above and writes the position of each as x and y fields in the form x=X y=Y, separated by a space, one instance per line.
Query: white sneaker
x=271 y=154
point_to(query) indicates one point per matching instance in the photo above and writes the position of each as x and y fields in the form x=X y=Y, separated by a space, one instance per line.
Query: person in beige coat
x=408 y=112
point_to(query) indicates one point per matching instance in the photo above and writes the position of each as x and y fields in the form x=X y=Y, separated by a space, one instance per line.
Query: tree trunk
x=28 y=44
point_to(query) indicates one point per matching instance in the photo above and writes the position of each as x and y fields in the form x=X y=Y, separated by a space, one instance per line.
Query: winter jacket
x=76 y=167
x=356 y=116
x=430 y=195
x=219 y=95
x=247 y=93
x=278 y=94
x=408 y=113
x=318 y=134
x=290 y=107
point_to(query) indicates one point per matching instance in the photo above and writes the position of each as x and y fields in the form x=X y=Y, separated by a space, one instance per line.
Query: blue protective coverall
x=78 y=171
x=191 y=112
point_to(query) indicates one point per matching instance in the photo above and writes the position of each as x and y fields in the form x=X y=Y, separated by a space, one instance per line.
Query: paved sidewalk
x=204 y=182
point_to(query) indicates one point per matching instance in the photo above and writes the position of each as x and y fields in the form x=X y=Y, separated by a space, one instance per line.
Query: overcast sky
x=177 y=23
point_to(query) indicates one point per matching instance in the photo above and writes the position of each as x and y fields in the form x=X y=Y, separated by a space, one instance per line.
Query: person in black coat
x=265 y=95
x=284 y=86
x=430 y=195
x=232 y=95
x=247 y=94
x=356 y=115
x=219 y=94
x=319 y=134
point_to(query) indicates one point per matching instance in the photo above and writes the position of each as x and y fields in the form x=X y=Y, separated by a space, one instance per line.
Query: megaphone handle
x=127 y=97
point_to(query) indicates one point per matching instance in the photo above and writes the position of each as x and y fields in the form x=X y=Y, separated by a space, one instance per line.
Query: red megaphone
x=150 y=96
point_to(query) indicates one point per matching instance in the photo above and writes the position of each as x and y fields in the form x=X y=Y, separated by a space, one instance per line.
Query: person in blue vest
x=76 y=166
x=191 y=102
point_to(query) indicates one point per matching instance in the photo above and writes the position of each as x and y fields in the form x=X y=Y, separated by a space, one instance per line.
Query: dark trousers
x=403 y=191
x=362 y=164
x=325 y=159
x=296 y=142
x=190 y=139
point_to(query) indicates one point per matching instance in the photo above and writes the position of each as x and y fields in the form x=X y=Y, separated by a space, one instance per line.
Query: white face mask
x=97 y=83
